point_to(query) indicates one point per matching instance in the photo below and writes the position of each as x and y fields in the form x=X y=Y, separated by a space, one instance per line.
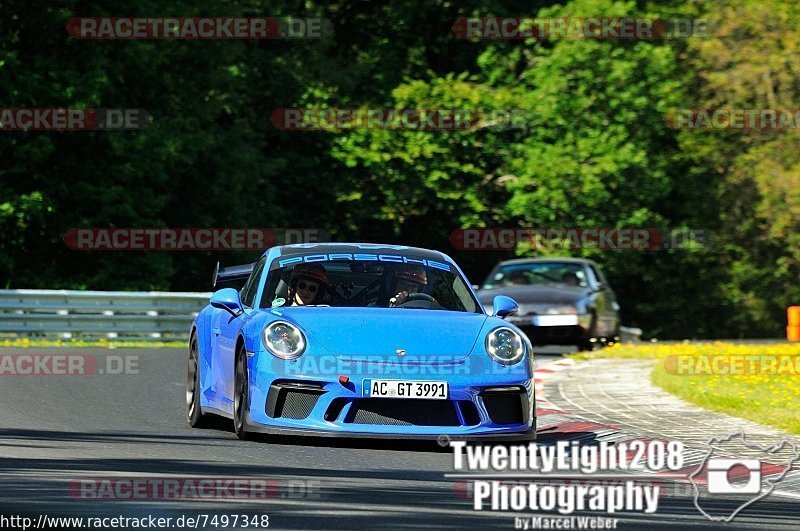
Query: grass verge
x=88 y=343
x=758 y=382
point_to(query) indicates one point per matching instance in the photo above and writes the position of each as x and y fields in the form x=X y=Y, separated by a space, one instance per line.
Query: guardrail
x=111 y=314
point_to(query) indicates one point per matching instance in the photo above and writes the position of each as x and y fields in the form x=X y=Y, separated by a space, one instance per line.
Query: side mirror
x=227 y=299
x=503 y=306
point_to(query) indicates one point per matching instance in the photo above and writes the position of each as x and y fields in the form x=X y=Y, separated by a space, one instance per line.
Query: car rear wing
x=232 y=274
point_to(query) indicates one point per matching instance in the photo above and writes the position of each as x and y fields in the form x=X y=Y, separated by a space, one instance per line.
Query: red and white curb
x=541 y=375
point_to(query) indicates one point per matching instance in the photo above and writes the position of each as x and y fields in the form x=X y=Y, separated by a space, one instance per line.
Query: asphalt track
x=55 y=430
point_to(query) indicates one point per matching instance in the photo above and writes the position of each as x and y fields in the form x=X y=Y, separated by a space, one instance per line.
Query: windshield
x=568 y=273
x=367 y=284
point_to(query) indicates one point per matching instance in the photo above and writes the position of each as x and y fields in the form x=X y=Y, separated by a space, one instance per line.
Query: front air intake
x=292 y=400
x=506 y=405
x=402 y=412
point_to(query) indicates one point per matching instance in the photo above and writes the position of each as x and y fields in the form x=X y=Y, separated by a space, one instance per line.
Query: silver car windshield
x=567 y=273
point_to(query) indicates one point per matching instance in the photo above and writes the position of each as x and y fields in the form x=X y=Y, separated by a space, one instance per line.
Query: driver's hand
x=398 y=299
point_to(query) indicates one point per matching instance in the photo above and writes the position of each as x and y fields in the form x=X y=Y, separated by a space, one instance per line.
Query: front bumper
x=556 y=335
x=554 y=329
x=443 y=438
x=286 y=398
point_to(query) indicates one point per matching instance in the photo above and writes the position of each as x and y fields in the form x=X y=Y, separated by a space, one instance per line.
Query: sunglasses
x=306 y=286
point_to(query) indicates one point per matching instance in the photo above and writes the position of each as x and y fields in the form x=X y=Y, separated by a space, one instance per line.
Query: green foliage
x=571 y=133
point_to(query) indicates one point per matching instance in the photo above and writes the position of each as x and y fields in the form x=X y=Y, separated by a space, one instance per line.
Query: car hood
x=538 y=294
x=376 y=334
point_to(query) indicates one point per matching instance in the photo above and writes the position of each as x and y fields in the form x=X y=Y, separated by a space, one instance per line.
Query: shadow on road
x=347 y=496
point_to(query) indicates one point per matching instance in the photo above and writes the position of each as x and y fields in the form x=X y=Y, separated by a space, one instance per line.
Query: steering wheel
x=418 y=297
x=419 y=300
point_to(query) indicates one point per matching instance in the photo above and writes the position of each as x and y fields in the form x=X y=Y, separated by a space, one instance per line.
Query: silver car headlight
x=505 y=345
x=284 y=340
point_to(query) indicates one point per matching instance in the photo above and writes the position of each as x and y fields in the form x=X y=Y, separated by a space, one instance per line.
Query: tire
x=531 y=435
x=194 y=411
x=241 y=399
x=586 y=346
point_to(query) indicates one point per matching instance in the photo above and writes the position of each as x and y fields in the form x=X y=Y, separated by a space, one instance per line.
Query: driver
x=307 y=284
x=517 y=278
x=571 y=278
x=405 y=282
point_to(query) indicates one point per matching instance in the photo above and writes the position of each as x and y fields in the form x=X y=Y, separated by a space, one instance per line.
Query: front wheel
x=587 y=346
x=241 y=401
x=591 y=342
x=194 y=412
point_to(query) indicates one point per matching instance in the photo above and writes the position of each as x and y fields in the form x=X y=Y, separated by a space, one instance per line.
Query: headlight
x=561 y=310
x=505 y=346
x=284 y=340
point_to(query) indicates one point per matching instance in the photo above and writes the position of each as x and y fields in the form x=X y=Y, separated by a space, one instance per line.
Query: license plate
x=405 y=389
x=555 y=320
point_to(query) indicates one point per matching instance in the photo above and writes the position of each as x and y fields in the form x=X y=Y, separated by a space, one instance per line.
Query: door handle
x=216 y=331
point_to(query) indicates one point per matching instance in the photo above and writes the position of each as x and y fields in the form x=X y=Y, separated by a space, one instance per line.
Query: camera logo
x=730 y=472
x=721 y=473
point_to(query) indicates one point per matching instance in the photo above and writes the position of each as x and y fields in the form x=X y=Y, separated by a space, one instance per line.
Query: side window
x=465 y=299
x=598 y=278
x=250 y=288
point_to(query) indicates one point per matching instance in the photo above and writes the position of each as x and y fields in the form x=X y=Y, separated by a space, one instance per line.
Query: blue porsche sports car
x=338 y=339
